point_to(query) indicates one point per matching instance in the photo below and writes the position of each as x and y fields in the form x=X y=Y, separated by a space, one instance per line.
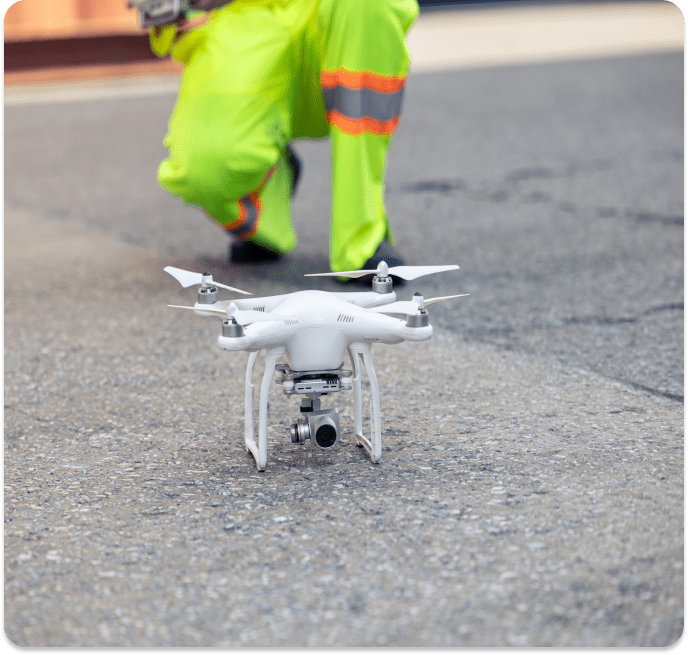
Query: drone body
x=311 y=332
x=318 y=328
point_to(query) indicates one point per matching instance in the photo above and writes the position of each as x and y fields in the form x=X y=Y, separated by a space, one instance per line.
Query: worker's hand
x=162 y=39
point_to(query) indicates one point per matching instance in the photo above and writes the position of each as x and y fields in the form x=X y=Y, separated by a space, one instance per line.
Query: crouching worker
x=259 y=73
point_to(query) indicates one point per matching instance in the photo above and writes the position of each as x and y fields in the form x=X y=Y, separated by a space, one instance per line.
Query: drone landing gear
x=374 y=444
x=259 y=450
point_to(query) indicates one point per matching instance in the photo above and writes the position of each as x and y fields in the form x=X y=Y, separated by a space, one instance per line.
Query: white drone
x=310 y=331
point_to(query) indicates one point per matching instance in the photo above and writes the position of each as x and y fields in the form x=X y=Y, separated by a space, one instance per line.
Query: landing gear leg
x=374 y=444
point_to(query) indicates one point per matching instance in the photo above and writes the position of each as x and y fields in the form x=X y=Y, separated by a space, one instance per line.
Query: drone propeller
x=189 y=278
x=242 y=317
x=382 y=270
x=410 y=306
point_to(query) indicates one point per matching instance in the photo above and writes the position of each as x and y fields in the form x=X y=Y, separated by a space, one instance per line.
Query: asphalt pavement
x=531 y=489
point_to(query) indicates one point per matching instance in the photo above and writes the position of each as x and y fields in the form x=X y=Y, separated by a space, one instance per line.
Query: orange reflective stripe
x=258 y=207
x=360 y=125
x=230 y=227
x=361 y=80
x=250 y=209
x=360 y=101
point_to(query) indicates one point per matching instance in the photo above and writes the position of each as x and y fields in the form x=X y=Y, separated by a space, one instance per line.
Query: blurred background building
x=75 y=39
x=49 y=41
x=42 y=19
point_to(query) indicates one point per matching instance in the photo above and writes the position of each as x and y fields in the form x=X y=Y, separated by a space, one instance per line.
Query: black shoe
x=294 y=164
x=385 y=252
x=248 y=252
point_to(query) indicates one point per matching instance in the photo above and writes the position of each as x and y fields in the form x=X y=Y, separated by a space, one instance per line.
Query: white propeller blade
x=414 y=272
x=399 y=307
x=241 y=317
x=217 y=312
x=404 y=272
x=342 y=274
x=432 y=300
x=408 y=306
x=189 y=278
x=185 y=278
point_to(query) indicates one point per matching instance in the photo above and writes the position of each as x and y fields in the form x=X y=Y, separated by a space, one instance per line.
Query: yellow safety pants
x=260 y=73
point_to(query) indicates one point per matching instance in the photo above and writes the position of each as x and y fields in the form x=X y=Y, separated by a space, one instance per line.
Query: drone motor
x=207 y=295
x=382 y=284
x=230 y=328
x=421 y=319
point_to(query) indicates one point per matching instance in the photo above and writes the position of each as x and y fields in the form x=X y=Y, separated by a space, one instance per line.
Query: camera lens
x=326 y=436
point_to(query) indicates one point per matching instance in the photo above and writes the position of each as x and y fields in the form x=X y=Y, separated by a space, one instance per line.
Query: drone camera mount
x=321 y=426
x=310 y=403
x=314 y=382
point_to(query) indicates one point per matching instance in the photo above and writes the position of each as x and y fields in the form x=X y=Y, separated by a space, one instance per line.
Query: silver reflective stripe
x=357 y=103
x=251 y=219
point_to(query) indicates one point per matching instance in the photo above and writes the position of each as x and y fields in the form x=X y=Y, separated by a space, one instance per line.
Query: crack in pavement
x=511 y=333
x=654 y=392
x=648 y=217
x=574 y=320
x=496 y=192
x=512 y=178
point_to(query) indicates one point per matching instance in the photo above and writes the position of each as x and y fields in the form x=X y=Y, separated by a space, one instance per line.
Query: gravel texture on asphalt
x=520 y=500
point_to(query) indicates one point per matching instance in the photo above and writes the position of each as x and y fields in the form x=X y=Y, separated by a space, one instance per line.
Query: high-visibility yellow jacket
x=260 y=73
